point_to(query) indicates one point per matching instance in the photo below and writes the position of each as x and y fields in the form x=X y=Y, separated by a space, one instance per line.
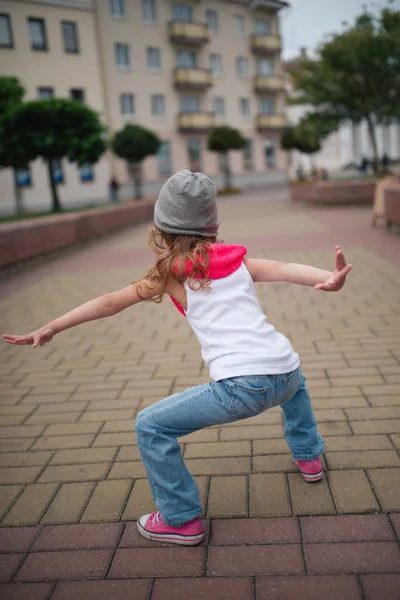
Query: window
x=239 y=25
x=45 y=92
x=194 y=152
x=6 y=39
x=77 y=94
x=265 y=67
x=190 y=104
x=58 y=171
x=164 y=159
x=244 y=106
x=182 y=12
x=70 y=36
x=212 y=20
x=122 y=56
x=262 y=27
x=127 y=103
x=248 y=155
x=269 y=152
x=242 y=66
x=149 y=10
x=117 y=8
x=154 y=59
x=267 y=106
x=219 y=106
x=158 y=105
x=186 y=59
x=23 y=177
x=86 y=173
x=37 y=34
x=216 y=64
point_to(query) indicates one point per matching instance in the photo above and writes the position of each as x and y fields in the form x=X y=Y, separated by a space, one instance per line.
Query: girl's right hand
x=40 y=337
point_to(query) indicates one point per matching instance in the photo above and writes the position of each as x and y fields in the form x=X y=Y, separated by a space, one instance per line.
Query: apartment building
x=178 y=68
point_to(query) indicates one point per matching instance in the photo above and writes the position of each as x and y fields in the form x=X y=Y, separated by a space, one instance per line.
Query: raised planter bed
x=392 y=204
x=22 y=240
x=335 y=192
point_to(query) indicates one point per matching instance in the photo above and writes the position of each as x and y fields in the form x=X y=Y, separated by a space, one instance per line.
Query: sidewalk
x=71 y=479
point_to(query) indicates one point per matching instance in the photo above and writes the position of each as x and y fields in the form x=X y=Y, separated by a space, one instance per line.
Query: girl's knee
x=143 y=421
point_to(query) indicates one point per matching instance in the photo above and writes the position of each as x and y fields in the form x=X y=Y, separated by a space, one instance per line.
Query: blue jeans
x=158 y=427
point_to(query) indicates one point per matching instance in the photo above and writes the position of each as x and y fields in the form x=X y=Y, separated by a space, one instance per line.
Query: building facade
x=177 y=68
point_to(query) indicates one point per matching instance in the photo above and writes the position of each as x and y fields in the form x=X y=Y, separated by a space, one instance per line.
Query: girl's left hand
x=336 y=281
x=40 y=337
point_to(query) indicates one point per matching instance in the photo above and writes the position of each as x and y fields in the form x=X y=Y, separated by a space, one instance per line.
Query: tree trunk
x=138 y=186
x=227 y=169
x=19 y=204
x=56 y=204
x=135 y=171
x=372 y=137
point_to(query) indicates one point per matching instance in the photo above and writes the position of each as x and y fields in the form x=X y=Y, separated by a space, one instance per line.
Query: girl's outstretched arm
x=271 y=270
x=98 y=308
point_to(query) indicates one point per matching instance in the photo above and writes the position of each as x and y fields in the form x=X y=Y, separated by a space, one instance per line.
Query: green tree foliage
x=52 y=129
x=134 y=143
x=356 y=74
x=222 y=140
x=307 y=136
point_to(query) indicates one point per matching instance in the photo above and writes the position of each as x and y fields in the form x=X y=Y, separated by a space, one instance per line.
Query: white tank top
x=233 y=331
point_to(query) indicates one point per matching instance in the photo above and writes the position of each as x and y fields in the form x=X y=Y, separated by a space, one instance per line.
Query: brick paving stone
x=218 y=466
x=395 y=519
x=310 y=498
x=83 y=455
x=125 y=425
x=358 y=442
x=375 y=412
x=384 y=400
x=129 y=453
x=90 y=472
x=280 y=559
x=63 y=441
x=379 y=426
x=211 y=588
x=9 y=564
x=19 y=539
x=19 y=475
x=309 y=587
x=268 y=495
x=114 y=439
x=227 y=496
x=72 y=429
x=30 y=505
x=363 y=459
x=348 y=528
x=107 y=501
x=270 y=447
x=217 y=449
x=60 y=566
x=205 y=435
x=26 y=591
x=136 y=589
x=127 y=470
x=140 y=501
x=23 y=431
x=277 y=463
x=78 y=537
x=396 y=440
x=380 y=587
x=331 y=428
x=8 y=493
x=386 y=483
x=45 y=418
x=157 y=562
x=68 y=503
x=360 y=557
x=352 y=492
x=251 y=432
x=231 y=532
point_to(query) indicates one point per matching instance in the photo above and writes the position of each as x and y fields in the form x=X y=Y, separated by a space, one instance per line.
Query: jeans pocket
x=249 y=396
x=291 y=384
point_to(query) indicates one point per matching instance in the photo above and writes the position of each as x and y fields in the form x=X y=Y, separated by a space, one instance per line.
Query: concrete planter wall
x=327 y=192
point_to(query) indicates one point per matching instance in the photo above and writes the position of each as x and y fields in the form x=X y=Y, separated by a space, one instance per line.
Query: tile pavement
x=71 y=480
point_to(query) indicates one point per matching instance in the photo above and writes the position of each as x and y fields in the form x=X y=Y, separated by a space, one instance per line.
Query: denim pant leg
x=300 y=427
x=158 y=427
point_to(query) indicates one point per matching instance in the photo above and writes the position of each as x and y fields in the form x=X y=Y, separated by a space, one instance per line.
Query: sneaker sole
x=314 y=477
x=171 y=538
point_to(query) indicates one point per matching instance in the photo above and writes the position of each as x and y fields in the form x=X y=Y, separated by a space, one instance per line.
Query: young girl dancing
x=253 y=366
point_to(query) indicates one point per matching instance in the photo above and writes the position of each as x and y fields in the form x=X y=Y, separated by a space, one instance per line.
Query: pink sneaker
x=153 y=527
x=311 y=469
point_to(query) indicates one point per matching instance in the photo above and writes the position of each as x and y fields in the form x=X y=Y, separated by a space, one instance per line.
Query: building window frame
x=164 y=159
x=190 y=104
x=269 y=153
x=267 y=106
x=216 y=64
x=219 y=107
x=183 y=13
x=45 y=92
x=265 y=67
x=86 y=173
x=158 y=106
x=77 y=94
x=153 y=52
x=127 y=104
x=41 y=46
x=261 y=29
x=240 y=28
x=149 y=9
x=193 y=147
x=57 y=168
x=248 y=158
x=8 y=30
x=242 y=67
x=122 y=48
x=212 y=19
x=73 y=29
x=186 y=59
x=118 y=9
x=23 y=177
x=244 y=107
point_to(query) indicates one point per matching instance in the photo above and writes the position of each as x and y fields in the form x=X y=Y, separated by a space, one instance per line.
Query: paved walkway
x=72 y=483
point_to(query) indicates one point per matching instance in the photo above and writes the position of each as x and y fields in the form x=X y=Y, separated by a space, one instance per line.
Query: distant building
x=177 y=68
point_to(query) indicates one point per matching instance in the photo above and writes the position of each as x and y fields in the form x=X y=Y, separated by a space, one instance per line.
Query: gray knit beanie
x=186 y=205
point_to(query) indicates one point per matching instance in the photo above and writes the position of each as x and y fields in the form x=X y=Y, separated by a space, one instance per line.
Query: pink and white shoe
x=311 y=469
x=153 y=527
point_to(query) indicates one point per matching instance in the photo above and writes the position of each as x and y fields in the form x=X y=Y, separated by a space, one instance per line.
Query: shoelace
x=157 y=519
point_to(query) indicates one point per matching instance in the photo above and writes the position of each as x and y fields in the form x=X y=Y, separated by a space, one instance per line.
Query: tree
x=53 y=129
x=356 y=74
x=307 y=136
x=11 y=94
x=134 y=143
x=221 y=140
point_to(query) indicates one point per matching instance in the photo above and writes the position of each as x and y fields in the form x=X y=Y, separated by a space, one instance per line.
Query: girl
x=253 y=366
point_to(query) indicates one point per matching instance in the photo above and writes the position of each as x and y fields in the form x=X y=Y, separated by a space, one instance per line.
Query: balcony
x=192 y=34
x=265 y=44
x=192 y=79
x=201 y=122
x=268 y=83
x=273 y=121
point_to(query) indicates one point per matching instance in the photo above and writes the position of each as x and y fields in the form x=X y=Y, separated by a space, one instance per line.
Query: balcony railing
x=265 y=44
x=201 y=122
x=273 y=121
x=192 y=34
x=268 y=83
x=192 y=78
